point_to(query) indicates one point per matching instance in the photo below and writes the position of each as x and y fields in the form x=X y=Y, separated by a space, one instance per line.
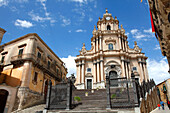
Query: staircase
x=94 y=101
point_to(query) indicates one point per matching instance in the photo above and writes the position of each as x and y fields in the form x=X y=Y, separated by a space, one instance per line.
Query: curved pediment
x=111 y=63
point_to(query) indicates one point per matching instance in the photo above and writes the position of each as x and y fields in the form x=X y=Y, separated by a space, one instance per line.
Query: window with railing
x=39 y=55
x=2 y=59
x=35 y=78
x=49 y=64
x=20 y=52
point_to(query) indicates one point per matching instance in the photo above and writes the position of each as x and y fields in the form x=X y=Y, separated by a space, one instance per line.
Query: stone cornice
x=27 y=36
x=2 y=30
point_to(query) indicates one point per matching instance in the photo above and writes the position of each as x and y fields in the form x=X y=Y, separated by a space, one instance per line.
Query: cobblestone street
x=161 y=111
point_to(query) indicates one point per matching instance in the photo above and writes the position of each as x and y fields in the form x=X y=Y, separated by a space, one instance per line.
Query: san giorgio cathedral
x=109 y=55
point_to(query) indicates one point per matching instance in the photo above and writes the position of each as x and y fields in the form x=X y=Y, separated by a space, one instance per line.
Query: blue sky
x=66 y=24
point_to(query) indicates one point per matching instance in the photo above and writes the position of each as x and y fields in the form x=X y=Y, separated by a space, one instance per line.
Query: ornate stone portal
x=109 y=55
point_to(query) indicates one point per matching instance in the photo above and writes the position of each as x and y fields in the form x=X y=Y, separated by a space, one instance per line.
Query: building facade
x=109 y=55
x=27 y=64
x=164 y=90
x=160 y=14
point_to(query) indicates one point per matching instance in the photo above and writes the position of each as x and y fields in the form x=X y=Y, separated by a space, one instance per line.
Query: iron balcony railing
x=39 y=62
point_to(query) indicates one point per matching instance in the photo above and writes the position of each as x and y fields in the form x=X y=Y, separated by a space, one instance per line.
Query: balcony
x=23 y=57
x=37 y=62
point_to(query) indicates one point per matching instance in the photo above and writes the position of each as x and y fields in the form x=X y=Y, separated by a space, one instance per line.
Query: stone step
x=85 y=111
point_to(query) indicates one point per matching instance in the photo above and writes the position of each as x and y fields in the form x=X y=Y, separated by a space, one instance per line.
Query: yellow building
x=164 y=90
x=27 y=64
x=109 y=55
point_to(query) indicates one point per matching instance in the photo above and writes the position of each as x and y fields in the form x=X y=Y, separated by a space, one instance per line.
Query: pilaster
x=120 y=45
x=97 y=44
x=101 y=68
x=141 y=71
x=94 y=66
x=83 y=63
x=101 y=46
x=123 y=68
x=98 y=71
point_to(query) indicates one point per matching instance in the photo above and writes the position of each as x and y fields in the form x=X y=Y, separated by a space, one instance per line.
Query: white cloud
x=4 y=2
x=157 y=47
x=158 y=70
x=23 y=23
x=144 y=35
x=21 y=1
x=148 y=30
x=65 y=21
x=70 y=64
x=133 y=31
x=69 y=31
x=37 y=18
x=80 y=30
x=90 y=19
x=80 y=1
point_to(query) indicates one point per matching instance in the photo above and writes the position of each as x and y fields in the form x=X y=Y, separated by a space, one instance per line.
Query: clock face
x=107 y=18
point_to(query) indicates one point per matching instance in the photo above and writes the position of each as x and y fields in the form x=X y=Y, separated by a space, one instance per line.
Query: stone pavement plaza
x=161 y=111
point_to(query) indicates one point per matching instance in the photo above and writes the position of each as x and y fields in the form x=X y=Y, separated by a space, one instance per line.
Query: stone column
x=98 y=71
x=94 y=76
x=144 y=69
x=101 y=68
x=127 y=72
x=129 y=69
x=94 y=45
x=27 y=69
x=97 y=46
x=120 y=45
x=141 y=71
x=123 y=44
x=126 y=45
x=78 y=73
x=82 y=74
x=123 y=68
x=101 y=47
x=31 y=46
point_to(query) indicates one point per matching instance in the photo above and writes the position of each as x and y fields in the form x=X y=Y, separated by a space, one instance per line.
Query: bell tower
x=107 y=22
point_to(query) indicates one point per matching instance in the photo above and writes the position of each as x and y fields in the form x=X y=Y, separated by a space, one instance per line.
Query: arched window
x=110 y=46
x=108 y=27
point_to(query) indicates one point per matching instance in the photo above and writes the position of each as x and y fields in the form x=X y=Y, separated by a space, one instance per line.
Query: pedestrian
x=162 y=104
x=159 y=106
x=168 y=103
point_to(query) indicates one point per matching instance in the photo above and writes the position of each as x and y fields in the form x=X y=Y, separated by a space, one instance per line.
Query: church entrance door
x=3 y=99
x=89 y=83
x=113 y=78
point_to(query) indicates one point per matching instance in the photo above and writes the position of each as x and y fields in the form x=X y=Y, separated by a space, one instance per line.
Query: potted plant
x=86 y=94
x=77 y=99
x=113 y=96
x=97 y=88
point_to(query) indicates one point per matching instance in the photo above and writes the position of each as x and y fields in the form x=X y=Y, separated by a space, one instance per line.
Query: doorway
x=3 y=98
x=113 y=78
x=89 y=83
x=45 y=90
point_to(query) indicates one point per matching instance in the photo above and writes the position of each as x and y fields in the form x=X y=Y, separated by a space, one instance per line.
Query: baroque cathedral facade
x=109 y=55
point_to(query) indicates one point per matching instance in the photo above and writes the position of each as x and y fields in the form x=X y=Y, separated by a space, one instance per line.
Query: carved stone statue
x=83 y=50
x=136 y=48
